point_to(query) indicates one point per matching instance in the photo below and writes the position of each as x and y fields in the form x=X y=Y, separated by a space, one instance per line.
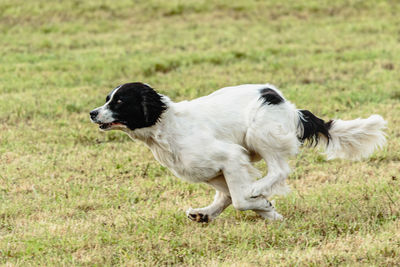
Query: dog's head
x=129 y=106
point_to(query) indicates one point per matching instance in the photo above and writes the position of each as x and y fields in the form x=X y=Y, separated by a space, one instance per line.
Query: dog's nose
x=93 y=114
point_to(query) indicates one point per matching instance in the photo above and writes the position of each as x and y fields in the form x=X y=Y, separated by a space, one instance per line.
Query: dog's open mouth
x=105 y=126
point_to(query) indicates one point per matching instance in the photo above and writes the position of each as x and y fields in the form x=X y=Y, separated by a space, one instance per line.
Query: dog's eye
x=119 y=101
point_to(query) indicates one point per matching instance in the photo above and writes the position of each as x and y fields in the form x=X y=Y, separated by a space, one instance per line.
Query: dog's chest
x=186 y=167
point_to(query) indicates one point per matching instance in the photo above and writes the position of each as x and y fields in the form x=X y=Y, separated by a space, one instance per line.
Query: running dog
x=215 y=139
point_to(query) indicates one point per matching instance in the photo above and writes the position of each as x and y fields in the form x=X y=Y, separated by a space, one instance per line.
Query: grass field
x=71 y=195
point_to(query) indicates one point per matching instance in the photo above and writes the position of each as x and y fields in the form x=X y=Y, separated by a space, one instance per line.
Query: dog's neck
x=156 y=138
x=152 y=136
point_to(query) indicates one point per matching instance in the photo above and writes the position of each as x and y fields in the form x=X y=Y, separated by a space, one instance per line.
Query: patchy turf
x=71 y=195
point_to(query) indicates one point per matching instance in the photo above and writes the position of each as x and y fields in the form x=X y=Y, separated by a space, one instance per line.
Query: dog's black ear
x=152 y=105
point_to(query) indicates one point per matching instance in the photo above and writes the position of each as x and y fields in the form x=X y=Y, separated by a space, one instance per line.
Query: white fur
x=356 y=139
x=215 y=138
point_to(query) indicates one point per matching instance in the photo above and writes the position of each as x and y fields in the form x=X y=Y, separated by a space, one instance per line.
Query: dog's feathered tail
x=353 y=139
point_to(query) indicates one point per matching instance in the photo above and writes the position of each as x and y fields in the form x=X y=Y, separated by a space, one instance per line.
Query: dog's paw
x=275 y=216
x=271 y=215
x=197 y=216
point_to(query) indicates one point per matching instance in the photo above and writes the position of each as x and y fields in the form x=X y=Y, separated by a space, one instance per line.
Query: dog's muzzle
x=105 y=125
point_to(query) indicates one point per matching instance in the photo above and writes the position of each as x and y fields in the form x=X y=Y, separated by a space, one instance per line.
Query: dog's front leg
x=209 y=213
x=222 y=200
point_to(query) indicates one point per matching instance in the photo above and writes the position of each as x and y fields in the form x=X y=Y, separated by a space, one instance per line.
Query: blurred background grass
x=72 y=195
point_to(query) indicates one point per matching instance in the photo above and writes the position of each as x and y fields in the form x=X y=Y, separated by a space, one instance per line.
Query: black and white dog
x=214 y=139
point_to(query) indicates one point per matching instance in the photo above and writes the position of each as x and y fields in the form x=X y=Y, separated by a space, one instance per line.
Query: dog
x=215 y=139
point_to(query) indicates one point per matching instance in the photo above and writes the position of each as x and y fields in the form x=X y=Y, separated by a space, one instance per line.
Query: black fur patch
x=270 y=96
x=313 y=126
x=136 y=105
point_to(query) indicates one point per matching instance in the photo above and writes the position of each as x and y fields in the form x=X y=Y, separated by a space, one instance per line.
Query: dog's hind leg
x=238 y=176
x=221 y=201
x=275 y=181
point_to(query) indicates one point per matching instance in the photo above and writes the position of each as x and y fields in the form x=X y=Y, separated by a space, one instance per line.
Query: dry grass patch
x=70 y=195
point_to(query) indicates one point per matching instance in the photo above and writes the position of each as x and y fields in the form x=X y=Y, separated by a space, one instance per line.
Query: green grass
x=71 y=195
